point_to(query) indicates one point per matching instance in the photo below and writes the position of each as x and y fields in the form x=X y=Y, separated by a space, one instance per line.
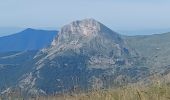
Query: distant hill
x=155 y=49
x=29 y=39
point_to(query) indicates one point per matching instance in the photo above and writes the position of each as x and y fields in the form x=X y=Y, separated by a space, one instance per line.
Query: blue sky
x=121 y=15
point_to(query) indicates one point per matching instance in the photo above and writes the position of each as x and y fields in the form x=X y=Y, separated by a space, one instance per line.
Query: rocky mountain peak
x=85 y=27
x=85 y=49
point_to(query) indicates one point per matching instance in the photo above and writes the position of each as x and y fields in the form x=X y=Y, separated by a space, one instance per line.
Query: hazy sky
x=117 y=14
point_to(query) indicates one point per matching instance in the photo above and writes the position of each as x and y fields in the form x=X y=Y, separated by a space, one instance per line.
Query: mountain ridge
x=29 y=39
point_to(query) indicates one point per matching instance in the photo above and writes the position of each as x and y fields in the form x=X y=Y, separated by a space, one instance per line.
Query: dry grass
x=155 y=92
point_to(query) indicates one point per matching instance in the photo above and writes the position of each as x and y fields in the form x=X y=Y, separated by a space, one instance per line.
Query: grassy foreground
x=155 y=92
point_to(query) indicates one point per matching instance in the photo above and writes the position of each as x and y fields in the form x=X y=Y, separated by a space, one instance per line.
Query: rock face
x=91 y=39
x=85 y=55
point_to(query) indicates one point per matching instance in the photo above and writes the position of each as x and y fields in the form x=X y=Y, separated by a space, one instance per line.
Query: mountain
x=17 y=52
x=85 y=55
x=155 y=49
x=29 y=39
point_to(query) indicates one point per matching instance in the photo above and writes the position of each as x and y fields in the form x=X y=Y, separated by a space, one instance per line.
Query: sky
x=120 y=15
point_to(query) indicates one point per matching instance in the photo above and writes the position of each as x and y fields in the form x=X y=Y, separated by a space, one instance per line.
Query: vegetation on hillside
x=153 y=92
